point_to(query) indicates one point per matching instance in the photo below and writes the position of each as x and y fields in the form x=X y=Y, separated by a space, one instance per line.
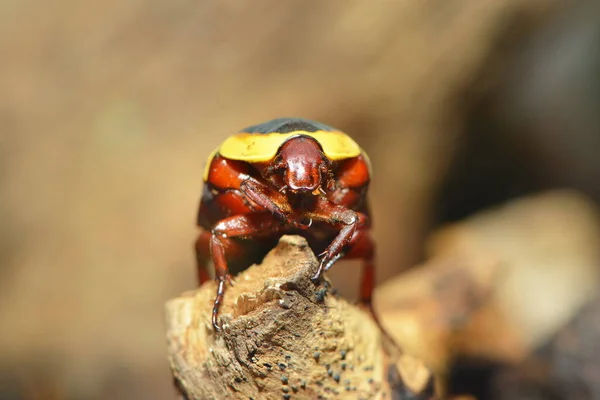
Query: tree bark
x=285 y=337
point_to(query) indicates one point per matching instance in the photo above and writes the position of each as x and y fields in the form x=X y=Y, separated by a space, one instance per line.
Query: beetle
x=284 y=176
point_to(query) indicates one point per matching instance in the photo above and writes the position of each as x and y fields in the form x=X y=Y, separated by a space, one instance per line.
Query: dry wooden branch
x=285 y=338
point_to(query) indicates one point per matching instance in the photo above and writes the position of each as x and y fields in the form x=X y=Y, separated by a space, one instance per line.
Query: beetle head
x=301 y=167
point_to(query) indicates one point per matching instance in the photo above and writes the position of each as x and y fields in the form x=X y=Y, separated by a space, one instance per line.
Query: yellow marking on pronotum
x=207 y=166
x=254 y=147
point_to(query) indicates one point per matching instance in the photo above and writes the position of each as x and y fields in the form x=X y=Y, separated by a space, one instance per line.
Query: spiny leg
x=222 y=239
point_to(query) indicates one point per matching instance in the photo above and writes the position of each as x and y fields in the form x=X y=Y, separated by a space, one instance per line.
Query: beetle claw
x=317 y=276
x=220 y=290
x=215 y=324
x=330 y=263
x=325 y=264
x=215 y=319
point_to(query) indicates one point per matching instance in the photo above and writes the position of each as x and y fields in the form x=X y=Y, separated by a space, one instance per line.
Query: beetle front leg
x=339 y=216
x=221 y=239
x=271 y=200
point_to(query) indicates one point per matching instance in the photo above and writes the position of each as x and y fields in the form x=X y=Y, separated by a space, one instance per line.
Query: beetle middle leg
x=362 y=247
x=203 y=257
x=222 y=238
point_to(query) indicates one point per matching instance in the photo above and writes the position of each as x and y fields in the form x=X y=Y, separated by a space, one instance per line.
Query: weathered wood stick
x=285 y=337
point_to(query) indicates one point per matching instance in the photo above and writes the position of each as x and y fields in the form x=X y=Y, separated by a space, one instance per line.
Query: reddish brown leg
x=339 y=216
x=361 y=246
x=203 y=255
x=271 y=200
x=221 y=240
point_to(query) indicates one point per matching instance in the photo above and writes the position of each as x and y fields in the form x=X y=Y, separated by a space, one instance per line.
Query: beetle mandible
x=285 y=176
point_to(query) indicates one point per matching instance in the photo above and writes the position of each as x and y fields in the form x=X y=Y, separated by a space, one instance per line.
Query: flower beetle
x=285 y=176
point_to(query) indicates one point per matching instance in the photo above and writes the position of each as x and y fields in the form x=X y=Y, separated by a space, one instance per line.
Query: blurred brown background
x=108 y=111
